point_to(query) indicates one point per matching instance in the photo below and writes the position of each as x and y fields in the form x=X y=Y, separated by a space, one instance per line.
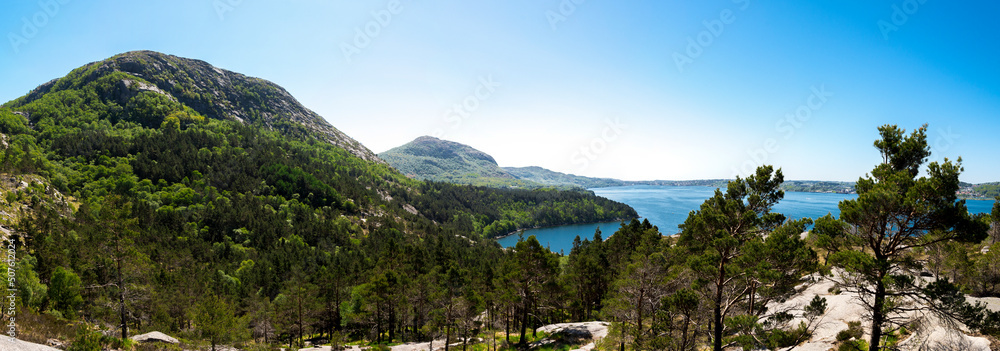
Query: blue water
x=668 y=206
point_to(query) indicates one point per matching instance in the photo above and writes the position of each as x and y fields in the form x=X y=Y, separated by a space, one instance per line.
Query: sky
x=635 y=90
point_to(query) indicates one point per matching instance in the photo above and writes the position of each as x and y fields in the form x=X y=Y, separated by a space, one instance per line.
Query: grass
x=38 y=328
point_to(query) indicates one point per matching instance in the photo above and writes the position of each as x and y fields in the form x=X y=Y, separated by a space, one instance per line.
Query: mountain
x=161 y=183
x=212 y=92
x=430 y=158
x=140 y=122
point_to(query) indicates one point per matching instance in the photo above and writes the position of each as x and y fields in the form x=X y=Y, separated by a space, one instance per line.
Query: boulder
x=155 y=337
x=8 y=344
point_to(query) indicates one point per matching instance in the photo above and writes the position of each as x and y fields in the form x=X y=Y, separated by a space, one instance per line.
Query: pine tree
x=111 y=236
x=217 y=321
x=896 y=212
x=718 y=235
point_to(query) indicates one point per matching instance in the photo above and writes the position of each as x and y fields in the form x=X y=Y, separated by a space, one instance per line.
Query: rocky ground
x=586 y=333
x=932 y=333
x=6 y=344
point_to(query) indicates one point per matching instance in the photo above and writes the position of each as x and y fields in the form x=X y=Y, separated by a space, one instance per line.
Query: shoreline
x=619 y=220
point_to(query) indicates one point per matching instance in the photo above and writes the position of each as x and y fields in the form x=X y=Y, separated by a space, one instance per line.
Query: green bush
x=853 y=331
x=64 y=292
x=88 y=341
x=853 y=345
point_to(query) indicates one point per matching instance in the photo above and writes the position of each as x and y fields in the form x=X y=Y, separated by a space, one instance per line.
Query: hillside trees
x=217 y=321
x=534 y=275
x=64 y=292
x=733 y=262
x=636 y=294
x=115 y=260
x=587 y=276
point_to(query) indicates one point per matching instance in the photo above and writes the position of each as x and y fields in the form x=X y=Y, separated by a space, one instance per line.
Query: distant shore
x=619 y=220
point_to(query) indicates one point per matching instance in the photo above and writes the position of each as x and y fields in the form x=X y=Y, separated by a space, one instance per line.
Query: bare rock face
x=928 y=331
x=574 y=333
x=8 y=344
x=213 y=92
x=155 y=337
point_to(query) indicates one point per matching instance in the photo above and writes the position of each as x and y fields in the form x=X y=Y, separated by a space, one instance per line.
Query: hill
x=548 y=177
x=430 y=158
x=138 y=76
x=160 y=183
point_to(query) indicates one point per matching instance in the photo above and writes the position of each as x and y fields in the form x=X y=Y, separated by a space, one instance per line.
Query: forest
x=131 y=210
x=150 y=216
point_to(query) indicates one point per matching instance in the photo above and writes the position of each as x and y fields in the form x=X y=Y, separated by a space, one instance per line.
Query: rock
x=992 y=303
x=155 y=337
x=8 y=344
x=573 y=333
x=585 y=330
x=928 y=331
x=409 y=208
x=55 y=343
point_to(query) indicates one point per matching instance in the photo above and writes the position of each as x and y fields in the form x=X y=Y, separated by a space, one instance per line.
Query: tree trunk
x=378 y=323
x=492 y=320
x=638 y=320
x=717 y=310
x=300 y=316
x=684 y=333
x=447 y=337
x=121 y=299
x=506 y=323
x=392 y=324
x=878 y=316
x=621 y=343
x=524 y=326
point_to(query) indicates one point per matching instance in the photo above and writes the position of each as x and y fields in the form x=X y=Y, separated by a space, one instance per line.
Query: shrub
x=853 y=345
x=853 y=331
x=87 y=341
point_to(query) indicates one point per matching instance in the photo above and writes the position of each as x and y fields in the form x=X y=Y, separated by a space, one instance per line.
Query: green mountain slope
x=213 y=92
x=430 y=158
x=545 y=176
x=158 y=180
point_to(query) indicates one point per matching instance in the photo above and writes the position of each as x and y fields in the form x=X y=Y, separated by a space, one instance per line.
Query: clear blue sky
x=553 y=78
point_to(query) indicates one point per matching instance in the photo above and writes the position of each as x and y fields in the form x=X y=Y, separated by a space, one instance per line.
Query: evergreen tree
x=216 y=320
x=896 y=212
x=719 y=233
x=536 y=269
x=115 y=255
x=637 y=293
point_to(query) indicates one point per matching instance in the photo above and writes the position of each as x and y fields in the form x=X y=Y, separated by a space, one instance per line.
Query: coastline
x=619 y=220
